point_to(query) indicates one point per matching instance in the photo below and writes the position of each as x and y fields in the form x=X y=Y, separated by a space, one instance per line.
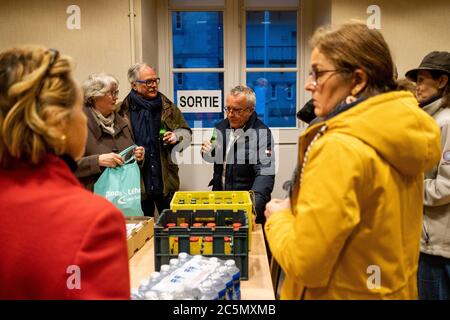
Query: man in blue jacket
x=241 y=149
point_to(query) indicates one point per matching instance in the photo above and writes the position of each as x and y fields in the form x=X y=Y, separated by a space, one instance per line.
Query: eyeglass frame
x=234 y=110
x=149 y=82
x=113 y=93
x=315 y=74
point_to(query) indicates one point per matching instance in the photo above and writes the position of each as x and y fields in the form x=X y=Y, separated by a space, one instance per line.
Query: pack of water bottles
x=192 y=278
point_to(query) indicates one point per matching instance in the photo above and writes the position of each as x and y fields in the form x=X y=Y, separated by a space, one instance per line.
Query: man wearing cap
x=432 y=93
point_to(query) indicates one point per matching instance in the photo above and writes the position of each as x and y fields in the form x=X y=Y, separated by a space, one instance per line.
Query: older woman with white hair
x=108 y=132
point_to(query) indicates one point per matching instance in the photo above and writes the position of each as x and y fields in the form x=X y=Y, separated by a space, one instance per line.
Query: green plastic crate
x=164 y=237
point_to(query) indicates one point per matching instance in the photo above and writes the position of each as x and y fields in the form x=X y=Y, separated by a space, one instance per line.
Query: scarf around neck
x=107 y=123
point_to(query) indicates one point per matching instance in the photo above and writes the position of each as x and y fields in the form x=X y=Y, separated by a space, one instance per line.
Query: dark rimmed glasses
x=236 y=111
x=149 y=82
x=316 y=74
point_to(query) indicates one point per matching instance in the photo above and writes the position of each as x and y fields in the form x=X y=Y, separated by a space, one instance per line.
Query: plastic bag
x=122 y=185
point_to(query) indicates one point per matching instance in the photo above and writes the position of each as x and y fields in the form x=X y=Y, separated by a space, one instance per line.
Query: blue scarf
x=145 y=116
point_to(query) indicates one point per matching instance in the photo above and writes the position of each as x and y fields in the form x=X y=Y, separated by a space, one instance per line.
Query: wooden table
x=257 y=287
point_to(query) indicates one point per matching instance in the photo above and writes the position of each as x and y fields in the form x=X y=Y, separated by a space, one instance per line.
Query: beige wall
x=412 y=28
x=149 y=35
x=101 y=45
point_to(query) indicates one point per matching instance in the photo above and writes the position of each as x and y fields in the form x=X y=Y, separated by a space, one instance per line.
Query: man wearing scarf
x=158 y=126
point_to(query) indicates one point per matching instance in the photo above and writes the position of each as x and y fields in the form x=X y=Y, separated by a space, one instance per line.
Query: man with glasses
x=158 y=125
x=242 y=150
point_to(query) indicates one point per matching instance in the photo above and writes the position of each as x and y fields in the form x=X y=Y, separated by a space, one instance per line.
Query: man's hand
x=139 y=153
x=170 y=137
x=110 y=160
x=206 y=146
x=276 y=205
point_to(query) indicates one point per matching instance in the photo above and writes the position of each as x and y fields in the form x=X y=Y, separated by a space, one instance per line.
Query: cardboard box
x=140 y=233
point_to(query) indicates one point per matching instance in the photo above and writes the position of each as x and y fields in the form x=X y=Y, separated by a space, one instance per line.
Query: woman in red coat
x=57 y=240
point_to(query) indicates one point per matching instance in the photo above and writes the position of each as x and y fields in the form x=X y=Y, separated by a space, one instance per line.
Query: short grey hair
x=250 y=97
x=133 y=72
x=98 y=85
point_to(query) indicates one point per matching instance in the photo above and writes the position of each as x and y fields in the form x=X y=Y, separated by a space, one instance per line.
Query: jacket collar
x=433 y=107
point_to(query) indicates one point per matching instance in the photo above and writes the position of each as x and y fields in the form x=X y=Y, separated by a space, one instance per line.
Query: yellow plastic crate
x=215 y=200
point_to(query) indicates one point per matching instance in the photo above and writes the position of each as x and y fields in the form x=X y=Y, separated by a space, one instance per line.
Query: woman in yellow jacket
x=352 y=227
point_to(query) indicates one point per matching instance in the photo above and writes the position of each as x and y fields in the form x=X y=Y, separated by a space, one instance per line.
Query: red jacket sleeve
x=102 y=260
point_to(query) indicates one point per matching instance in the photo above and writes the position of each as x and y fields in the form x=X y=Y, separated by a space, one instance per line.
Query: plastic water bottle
x=228 y=281
x=235 y=273
x=179 y=294
x=166 y=296
x=143 y=287
x=155 y=277
x=151 y=295
x=219 y=285
x=164 y=271
x=183 y=257
x=174 y=264
x=135 y=294
x=207 y=290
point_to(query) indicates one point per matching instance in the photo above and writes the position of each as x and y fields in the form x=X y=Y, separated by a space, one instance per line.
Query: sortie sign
x=199 y=101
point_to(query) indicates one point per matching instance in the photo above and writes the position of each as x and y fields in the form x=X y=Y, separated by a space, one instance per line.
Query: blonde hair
x=353 y=45
x=37 y=94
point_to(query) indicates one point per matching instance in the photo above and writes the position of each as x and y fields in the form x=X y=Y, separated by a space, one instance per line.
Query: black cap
x=436 y=60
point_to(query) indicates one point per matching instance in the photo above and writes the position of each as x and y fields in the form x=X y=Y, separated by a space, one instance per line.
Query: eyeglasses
x=316 y=74
x=149 y=82
x=113 y=93
x=236 y=111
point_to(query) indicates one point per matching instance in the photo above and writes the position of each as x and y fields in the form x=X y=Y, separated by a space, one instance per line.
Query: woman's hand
x=139 y=153
x=276 y=205
x=110 y=160
x=170 y=137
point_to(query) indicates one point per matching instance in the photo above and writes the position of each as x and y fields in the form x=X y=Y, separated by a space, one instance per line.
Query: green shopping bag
x=122 y=185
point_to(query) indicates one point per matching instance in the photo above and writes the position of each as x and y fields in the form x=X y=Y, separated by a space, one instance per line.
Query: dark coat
x=175 y=122
x=100 y=142
x=251 y=167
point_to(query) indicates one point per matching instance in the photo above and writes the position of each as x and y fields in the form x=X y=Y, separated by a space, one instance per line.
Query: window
x=178 y=21
x=264 y=56
x=289 y=94
x=179 y=79
x=198 y=57
x=273 y=94
x=271 y=60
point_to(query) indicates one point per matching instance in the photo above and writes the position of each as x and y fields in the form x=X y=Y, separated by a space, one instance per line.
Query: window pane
x=200 y=81
x=270 y=3
x=271 y=39
x=276 y=96
x=197 y=39
x=196 y=3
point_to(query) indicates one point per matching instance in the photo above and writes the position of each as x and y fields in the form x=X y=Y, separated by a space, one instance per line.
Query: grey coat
x=436 y=220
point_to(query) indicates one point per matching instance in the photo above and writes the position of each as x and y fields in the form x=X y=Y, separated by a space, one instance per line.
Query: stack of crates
x=220 y=233
x=216 y=201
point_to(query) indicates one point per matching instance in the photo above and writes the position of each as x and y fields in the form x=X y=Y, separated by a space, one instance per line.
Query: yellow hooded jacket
x=356 y=220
